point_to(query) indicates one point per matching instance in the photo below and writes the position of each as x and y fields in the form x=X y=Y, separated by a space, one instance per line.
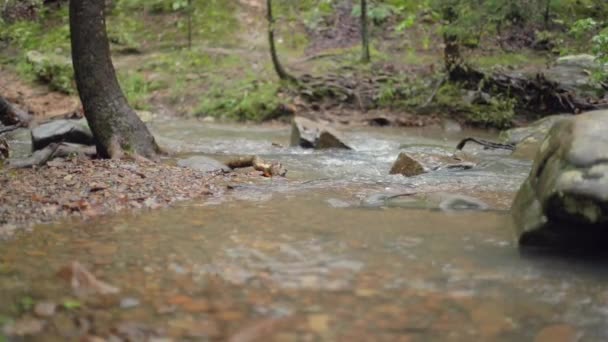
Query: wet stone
x=45 y=309
x=204 y=164
x=306 y=133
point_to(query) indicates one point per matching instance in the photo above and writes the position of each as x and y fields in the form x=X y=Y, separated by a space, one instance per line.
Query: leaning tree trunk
x=115 y=125
x=365 y=56
x=278 y=67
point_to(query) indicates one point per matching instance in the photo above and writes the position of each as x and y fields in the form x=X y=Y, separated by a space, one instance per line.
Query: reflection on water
x=307 y=259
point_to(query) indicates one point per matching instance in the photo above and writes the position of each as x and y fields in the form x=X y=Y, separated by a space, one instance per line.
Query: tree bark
x=115 y=125
x=276 y=63
x=365 y=56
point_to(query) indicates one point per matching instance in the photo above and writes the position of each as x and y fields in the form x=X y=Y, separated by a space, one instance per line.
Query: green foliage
x=254 y=101
x=137 y=89
x=497 y=113
x=376 y=12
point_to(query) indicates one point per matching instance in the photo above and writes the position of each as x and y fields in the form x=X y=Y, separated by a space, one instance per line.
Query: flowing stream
x=338 y=251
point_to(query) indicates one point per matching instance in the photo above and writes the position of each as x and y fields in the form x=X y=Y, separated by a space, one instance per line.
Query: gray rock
x=71 y=131
x=527 y=139
x=414 y=164
x=565 y=198
x=311 y=134
x=203 y=164
x=574 y=73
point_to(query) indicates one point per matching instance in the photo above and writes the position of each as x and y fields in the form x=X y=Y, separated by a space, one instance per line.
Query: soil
x=82 y=188
x=38 y=100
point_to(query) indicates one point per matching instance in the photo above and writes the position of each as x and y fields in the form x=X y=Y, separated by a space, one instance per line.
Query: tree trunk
x=454 y=63
x=190 y=9
x=115 y=125
x=547 y=16
x=365 y=56
x=278 y=67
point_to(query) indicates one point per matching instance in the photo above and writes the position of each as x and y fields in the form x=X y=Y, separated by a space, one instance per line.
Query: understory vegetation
x=210 y=57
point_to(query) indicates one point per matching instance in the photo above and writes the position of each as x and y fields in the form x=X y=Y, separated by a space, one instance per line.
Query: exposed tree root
x=52 y=151
x=533 y=94
x=485 y=143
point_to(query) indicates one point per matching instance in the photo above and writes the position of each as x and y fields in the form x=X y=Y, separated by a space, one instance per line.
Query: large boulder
x=311 y=134
x=574 y=73
x=71 y=131
x=527 y=139
x=565 y=198
x=414 y=164
x=203 y=164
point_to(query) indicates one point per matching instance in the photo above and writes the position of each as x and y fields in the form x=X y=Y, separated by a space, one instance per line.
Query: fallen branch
x=9 y=128
x=485 y=143
x=269 y=169
x=38 y=158
x=50 y=152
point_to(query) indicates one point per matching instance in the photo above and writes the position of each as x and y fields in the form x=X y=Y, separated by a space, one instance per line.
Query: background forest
x=210 y=57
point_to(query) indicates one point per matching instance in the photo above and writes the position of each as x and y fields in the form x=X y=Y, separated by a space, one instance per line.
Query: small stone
x=45 y=309
x=557 y=333
x=25 y=326
x=407 y=166
x=129 y=302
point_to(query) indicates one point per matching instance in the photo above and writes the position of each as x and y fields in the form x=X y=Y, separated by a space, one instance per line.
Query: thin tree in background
x=115 y=125
x=190 y=10
x=365 y=56
x=278 y=67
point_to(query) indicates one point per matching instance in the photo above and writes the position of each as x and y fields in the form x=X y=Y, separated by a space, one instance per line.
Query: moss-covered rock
x=565 y=198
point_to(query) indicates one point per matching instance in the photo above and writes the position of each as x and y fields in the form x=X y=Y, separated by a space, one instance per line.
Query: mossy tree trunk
x=115 y=125
x=365 y=56
x=276 y=63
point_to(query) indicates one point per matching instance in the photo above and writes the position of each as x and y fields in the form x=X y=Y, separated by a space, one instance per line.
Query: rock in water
x=565 y=198
x=310 y=134
x=203 y=164
x=71 y=131
x=406 y=165
x=527 y=139
x=414 y=164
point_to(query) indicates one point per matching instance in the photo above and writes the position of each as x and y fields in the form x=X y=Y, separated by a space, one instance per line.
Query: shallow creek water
x=320 y=256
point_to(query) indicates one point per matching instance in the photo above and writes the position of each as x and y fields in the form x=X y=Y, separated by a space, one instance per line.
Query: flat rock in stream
x=204 y=164
x=70 y=131
x=565 y=198
x=311 y=134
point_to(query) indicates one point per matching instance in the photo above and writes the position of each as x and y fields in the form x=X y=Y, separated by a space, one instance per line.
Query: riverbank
x=82 y=189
